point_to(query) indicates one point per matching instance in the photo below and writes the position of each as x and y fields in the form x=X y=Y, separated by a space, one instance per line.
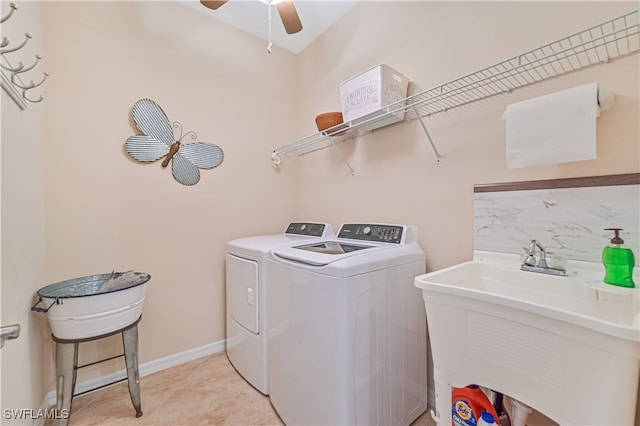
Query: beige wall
x=22 y=228
x=104 y=211
x=397 y=179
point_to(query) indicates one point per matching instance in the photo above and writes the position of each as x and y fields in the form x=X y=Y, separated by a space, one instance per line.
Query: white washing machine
x=246 y=285
x=347 y=328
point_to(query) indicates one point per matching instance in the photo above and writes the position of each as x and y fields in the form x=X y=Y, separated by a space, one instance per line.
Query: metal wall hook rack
x=12 y=8
x=5 y=42
x=12 y=82
x=20 y=69
x=596 y=45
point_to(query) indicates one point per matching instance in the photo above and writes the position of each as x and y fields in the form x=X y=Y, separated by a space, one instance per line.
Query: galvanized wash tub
x=94 y=305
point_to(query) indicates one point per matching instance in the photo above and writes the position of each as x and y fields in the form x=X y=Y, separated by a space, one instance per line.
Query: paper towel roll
x=555 y=128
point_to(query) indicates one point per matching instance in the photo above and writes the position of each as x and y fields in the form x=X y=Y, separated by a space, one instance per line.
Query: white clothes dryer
x=347 y=328
x=246 y=287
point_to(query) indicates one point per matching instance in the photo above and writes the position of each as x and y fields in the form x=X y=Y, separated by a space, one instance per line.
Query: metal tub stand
x=67 y=368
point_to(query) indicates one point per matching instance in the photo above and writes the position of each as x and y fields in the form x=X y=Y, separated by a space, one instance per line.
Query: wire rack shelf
x=596 y=45
x=599 y=44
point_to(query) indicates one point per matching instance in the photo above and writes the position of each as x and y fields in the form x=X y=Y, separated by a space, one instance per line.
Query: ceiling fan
x=286 y=9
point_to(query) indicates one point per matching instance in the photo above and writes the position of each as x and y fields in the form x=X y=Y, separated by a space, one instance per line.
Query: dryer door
x=242 y=292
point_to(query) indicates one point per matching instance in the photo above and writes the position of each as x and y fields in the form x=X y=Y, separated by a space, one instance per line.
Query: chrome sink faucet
x=541 y=266
x=531 y=259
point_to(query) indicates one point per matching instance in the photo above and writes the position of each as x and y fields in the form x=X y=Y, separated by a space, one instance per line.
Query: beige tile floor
x=207 y=391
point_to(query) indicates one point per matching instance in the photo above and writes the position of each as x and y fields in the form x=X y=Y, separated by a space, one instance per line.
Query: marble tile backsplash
x=569 y=222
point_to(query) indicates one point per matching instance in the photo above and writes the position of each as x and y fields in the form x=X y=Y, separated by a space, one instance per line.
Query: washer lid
x=261 y=245
x=332 y=247
x=322 y=253
x=359 y=248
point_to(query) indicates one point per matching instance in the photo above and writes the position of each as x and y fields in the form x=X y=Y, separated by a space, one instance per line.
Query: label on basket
x=392 y=94
x=366 y=94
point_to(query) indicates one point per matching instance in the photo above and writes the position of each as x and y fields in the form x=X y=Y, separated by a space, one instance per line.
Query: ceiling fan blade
x=289 y=16
x=213 y=4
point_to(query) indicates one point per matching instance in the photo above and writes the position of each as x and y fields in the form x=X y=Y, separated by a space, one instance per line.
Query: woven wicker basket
x=327 y=120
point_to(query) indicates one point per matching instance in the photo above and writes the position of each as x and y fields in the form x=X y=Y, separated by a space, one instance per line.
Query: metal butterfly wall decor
x=157 y=141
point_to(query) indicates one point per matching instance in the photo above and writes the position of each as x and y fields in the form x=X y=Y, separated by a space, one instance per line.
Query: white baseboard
x=180 y=358
x=144 y=369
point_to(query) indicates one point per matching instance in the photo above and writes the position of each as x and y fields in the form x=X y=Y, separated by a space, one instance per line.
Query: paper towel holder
x=605 y=99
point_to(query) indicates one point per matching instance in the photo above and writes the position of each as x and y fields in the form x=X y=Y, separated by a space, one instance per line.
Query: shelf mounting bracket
x=426 y=132
x=344 y=160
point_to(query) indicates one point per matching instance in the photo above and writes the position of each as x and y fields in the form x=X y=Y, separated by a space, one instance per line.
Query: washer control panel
x=306 y=228
x=372 y=232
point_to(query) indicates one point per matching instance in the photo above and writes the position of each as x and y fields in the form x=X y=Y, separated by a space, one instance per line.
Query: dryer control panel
x=306 y=228
x=372 y=232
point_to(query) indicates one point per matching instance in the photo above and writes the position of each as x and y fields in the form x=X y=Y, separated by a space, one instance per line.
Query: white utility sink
x=567 y=346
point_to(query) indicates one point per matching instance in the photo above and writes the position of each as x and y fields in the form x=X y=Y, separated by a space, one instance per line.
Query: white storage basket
x=376 y=95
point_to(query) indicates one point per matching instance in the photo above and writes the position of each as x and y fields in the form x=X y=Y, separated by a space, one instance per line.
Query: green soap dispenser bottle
x=618 y=262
